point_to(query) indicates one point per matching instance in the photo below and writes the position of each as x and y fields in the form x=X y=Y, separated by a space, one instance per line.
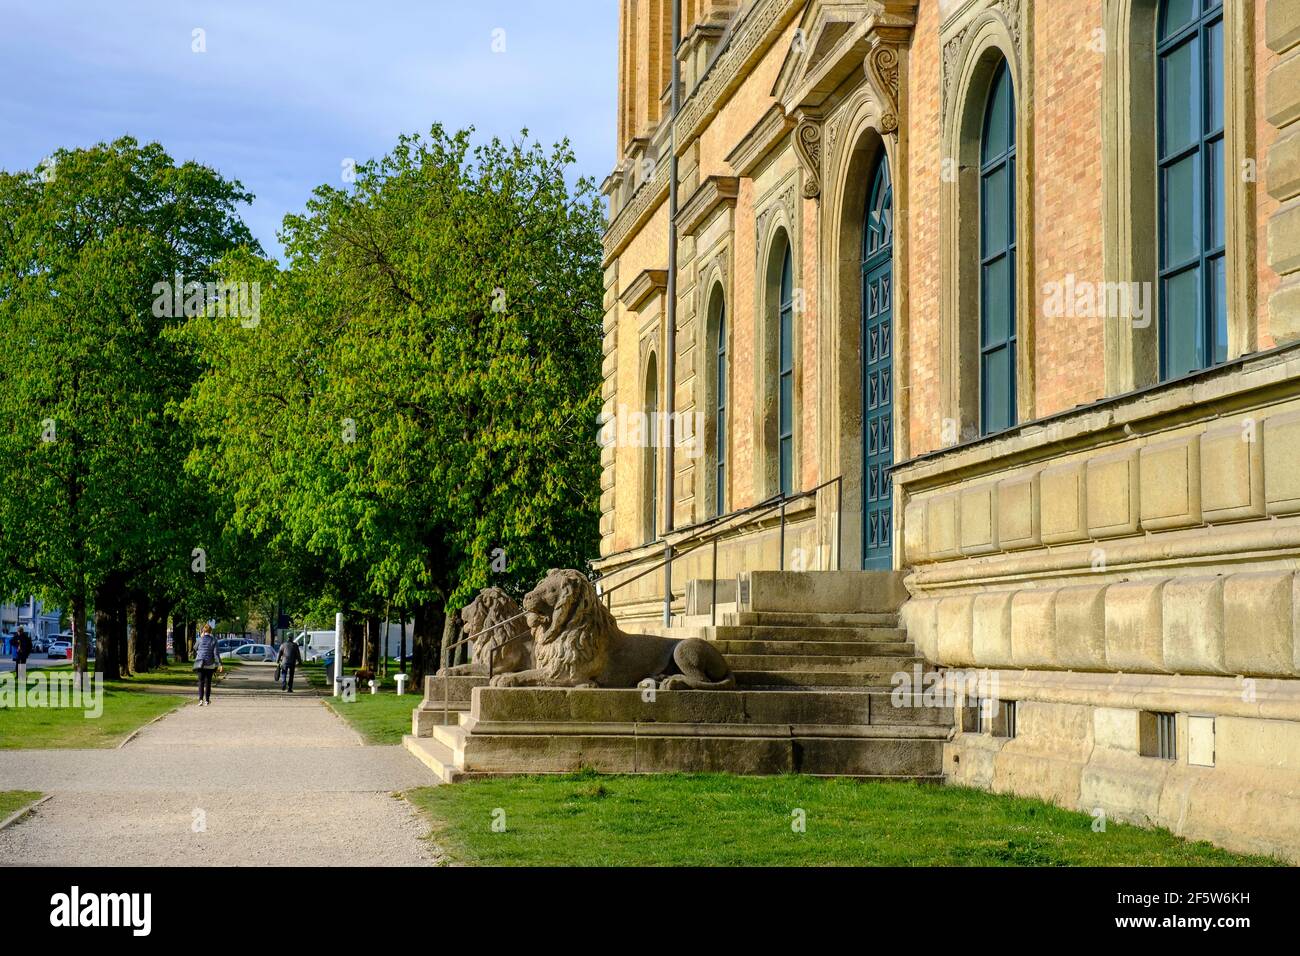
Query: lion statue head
x=487 y=621
x=572 y=629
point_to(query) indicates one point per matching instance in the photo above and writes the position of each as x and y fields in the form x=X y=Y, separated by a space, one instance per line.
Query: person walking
x=206 y=661
x=22 y=648
x=287 y=661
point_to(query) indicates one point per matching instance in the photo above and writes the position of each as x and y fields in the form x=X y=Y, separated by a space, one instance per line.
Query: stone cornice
x=765 y=135
x=633 y=216
x=649 y=282
x=865 y=36
x=1244 y=382
x=750 y=39
x=712 y=193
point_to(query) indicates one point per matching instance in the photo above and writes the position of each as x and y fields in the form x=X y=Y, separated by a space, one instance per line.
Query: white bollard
x=374 y=687
x=401 y=683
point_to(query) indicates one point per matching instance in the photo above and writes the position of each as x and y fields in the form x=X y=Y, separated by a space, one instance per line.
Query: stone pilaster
x=1282 y=108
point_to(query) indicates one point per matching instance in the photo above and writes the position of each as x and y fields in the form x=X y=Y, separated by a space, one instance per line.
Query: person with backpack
x=207 y=661
x=286 y=662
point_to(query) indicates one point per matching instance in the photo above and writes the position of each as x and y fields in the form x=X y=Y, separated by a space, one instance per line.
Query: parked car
x=227 y=644
x=59 y=649
x=252 y=653
x=40 y=645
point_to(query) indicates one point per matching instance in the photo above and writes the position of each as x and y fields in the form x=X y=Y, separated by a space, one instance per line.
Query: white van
x=315 y=644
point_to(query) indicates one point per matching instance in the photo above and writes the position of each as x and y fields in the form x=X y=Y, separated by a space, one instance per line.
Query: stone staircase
x=813 y=654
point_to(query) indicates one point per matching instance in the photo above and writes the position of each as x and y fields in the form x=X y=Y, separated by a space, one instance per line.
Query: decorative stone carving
x=577 y=643
x=493 y=620
x=784 y=200
x=882 y=71
x=808 y=146
x=1010 y=13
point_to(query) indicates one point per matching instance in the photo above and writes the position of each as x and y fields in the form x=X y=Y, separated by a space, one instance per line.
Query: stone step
x=551 y=706
x=706 y=619
x=866 y=756
x=810 y=679
x=818 y=648
x=453 y=738
x=454 y=688
x=802 y=619
x=434 y=755
x=846 y=635
x=432 y=714
x=879 y=664
x=822 y=592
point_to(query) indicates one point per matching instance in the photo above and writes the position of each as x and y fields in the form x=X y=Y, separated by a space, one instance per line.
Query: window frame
x=990 y=166
x=1204 y=141
x=785 y=376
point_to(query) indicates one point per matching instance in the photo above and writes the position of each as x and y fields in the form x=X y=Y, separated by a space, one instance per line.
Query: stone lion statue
x=577 y=643
x=478 y=620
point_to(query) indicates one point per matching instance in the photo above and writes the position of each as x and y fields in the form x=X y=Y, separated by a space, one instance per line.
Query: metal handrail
x=752 y=513
x=446 y=657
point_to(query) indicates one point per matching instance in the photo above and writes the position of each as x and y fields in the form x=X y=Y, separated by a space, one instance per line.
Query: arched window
x=785 y=386
x=650 y=455
x=1189 y=169
x=878 y=369
x=720 y=421
x=998 y=256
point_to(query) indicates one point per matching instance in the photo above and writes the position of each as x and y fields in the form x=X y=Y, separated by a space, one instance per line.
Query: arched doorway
x=878 y=370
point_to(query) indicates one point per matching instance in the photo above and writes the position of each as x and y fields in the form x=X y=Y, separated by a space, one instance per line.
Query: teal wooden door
x=878 y=372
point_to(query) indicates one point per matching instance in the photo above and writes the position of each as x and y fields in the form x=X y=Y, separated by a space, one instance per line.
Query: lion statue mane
x=577 y=643
x=479 y=621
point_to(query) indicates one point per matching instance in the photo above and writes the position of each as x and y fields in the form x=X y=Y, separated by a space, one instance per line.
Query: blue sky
x=289 y=89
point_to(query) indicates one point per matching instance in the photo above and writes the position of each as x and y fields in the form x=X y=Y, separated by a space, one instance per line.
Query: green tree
x=93 y=497
x=417 y=408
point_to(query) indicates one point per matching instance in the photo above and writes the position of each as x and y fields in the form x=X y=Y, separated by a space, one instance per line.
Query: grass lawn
x=381 y=718
x=721 y=820
x=24 y=728
x=11 y=801
x=171 y=674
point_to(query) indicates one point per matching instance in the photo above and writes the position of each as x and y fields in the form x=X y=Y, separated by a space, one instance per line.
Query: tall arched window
x=878 y=369
x=1189 y=167
x=785 y=393
x=720 y=427
x=650 y=455
x=998 y=256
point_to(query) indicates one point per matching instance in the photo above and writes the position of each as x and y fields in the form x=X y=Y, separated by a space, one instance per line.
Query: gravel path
x=257 y=779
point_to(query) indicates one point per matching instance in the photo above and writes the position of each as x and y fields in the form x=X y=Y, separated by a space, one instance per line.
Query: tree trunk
x=139 y=639
x=121 y=643
x=106 y=659
x=401 y=647
x=181 y=639
x=80 y=635
x=427 y=624
x=158 y=632
x=353 y=635
x=191 y=632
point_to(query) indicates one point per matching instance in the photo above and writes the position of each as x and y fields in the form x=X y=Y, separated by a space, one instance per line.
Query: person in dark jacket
x=287 y=660
x=207 y=661
x=22 y=648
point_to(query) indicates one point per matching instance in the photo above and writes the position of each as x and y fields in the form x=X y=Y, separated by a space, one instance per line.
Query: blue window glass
x=998 y=256
x=785 y=393
x=1190 y=176
x=720 y=450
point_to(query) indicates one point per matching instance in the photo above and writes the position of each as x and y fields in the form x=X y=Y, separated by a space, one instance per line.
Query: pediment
x=834 y=39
